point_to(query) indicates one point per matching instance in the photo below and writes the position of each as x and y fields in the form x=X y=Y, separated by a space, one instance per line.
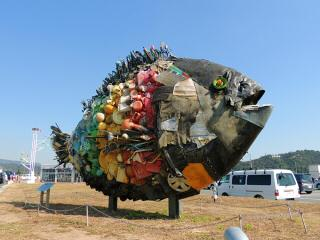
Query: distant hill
x=15 y=166
x=295 y=161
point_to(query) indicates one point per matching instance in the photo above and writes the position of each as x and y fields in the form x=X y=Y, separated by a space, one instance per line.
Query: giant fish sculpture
x=161 y=124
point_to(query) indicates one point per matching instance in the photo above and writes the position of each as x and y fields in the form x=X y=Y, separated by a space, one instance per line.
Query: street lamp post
x=251 y=162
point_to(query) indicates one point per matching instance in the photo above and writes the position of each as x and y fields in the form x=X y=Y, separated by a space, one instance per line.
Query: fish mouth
x=252 y=112
x=255 y=114
x=253 y=99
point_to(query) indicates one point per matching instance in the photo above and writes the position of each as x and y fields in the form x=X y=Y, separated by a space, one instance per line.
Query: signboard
x=44 y=187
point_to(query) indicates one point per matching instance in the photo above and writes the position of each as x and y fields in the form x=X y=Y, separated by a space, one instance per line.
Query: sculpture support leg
x=174 y=208
x=113 y=203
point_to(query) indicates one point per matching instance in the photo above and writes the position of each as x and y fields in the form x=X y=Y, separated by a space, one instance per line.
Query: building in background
x=314 y=170
x=51 y=173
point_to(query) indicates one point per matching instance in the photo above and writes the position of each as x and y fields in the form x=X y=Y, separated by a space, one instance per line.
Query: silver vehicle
x=317 y=184
x=305 y=182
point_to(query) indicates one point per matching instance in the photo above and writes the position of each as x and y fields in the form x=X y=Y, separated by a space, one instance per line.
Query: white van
x=268 y=183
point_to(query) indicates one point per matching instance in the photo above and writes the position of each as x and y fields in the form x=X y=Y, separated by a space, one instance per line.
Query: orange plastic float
x=197 y=176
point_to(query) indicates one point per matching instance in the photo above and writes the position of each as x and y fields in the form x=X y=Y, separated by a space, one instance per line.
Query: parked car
x=268 y=183
x=305 y=182
x=3 y=178
x=317 y=184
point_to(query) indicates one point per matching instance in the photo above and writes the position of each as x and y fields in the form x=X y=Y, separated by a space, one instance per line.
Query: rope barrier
x=252 y=216
x=256 y=207
x=60 y=210
x=267 y=216
x=164 y=228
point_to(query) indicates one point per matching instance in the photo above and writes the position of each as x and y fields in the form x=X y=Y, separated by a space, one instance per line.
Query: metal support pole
x=174 y=208
x=87 y=214
x=41 y=197
x=47 y=198
x=302 y=219
x=289 y=211
x=240 y=221
x=113 y=203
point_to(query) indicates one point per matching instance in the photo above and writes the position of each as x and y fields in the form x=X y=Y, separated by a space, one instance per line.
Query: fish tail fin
x=60 y=143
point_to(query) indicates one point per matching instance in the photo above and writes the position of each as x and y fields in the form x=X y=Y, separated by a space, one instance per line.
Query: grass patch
x=248 y=227
x=197 y=218
x=139 y=214
x=198 y=236
x=220 y=227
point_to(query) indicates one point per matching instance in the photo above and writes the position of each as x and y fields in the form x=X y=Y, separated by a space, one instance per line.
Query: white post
x=289 y=211
x=72 y=174
x=304 y=224
x=55 y=175
x=87 y=213
x=240 y=221
x=33 y=154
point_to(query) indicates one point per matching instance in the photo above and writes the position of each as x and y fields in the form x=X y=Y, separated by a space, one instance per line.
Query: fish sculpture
x=162 y=125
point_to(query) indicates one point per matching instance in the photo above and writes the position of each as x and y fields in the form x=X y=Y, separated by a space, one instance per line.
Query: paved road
x=314 y=197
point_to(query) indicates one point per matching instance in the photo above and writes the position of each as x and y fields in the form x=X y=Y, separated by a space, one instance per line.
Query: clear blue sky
x=53 y=54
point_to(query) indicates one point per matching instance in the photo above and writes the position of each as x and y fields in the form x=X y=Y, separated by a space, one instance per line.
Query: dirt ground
x=201 y=218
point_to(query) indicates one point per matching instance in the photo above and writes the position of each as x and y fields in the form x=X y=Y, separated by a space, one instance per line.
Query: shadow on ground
x=74 y=209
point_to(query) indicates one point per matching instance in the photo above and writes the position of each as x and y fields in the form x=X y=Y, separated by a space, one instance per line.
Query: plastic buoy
x=137 y=106
x=117 y=117
x=100 y=117
x=102 y=126
x=128 y=124
x=108 y=108
x=235 y=233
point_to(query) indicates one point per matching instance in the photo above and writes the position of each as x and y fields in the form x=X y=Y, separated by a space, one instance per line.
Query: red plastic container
x=142 y=76
x=150 y=113
x=126 y=155
x=154 y=167
x=136 y=117
x=140 y=171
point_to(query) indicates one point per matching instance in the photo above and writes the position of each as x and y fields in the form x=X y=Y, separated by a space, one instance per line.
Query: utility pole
x=30 y=163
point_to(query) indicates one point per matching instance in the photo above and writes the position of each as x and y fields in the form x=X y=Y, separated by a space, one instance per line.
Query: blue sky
x=53 y=54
